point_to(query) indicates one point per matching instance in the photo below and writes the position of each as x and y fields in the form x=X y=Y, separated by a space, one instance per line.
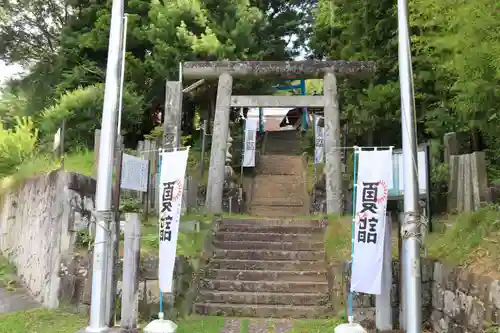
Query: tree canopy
x=455 y=49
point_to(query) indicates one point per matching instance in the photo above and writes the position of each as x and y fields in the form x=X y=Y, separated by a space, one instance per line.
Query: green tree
x=17 y=144
x=82 y=111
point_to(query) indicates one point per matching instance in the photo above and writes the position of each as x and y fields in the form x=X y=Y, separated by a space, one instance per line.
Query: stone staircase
x=266 y=268
x=280 y=186
x=282 y=143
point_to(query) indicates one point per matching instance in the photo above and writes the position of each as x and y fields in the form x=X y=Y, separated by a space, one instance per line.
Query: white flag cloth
x=172 y=175
x=319 y=141
x=374 y=175
x=251 y=126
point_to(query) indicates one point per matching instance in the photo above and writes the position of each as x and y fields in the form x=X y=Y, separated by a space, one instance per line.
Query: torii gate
x=224 y=71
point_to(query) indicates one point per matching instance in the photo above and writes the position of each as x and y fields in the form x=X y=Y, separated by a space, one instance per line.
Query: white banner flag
x=319 y=141
x=251 y=126
x=172 y=175
x=374 y=175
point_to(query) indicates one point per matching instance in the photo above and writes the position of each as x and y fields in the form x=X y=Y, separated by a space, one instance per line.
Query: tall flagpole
x=410 y=231
x=122 y=72
x=105 y=172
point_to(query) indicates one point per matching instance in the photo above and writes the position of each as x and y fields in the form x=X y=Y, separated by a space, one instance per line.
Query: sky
x=6 y=72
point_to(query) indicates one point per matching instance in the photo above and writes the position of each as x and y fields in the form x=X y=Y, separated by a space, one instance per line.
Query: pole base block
x=161 y=326
x=350 y=328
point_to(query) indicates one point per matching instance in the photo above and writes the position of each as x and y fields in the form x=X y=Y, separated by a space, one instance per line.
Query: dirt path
x=16 y=300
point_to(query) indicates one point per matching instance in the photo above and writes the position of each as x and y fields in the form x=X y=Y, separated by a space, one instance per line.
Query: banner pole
x=314 y=159
x=242 y=147
x=411 y=224
x=160 y=151
x=350 y=314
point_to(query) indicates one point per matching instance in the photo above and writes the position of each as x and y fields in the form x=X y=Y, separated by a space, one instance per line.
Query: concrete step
x=270 y=222
x=261 y=275
x=297 y=229
x=273 y=265
x=280 y=202
x=231 y=297
x=269 y=237
x=278 y=211
x=279 y=187
x=265 y=311
x=280 y=165
x=265 y=286
x=266 y=245
x=294 y=151
x=269 y=255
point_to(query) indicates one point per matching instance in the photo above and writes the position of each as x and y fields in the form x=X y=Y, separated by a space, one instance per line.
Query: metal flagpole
x=122 y=72
x=105 y=172
x=410 y=231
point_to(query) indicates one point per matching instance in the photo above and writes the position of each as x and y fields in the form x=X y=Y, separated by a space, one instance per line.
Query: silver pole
x=410 y=229
x=105 y=172
x=122 y=73
x=203 y=139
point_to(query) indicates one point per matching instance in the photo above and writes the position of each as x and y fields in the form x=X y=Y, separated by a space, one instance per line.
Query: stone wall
x=453 y=299
x=39 y=222
x=318 y=196
x=76 y=283
x=463 y=301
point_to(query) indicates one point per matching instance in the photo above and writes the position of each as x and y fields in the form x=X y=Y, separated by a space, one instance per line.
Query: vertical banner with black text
x=319 y=140
x=172 y=175
x=251 y=126
x=373 y=181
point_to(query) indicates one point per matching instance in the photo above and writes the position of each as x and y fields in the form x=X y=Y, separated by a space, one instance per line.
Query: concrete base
x=349 y=328
x=111 y=330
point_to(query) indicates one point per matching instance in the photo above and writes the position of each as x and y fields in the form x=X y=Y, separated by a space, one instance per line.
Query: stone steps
x=273 y=265
x=268 y=245
x=279 y=187
x=231 y=297
x=278 y=210
x=306 y=230
x=267 y=222
x=266 y=311
x=230 y=236
x=280 y=165
x=266 y=268
x=266 y=275
x=266 y=286
x=269 y=254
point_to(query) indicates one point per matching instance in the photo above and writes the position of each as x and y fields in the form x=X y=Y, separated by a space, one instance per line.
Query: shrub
x=82 y=110
x=16 y=144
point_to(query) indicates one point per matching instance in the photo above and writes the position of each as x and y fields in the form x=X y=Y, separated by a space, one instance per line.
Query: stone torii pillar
x=224 y=71
x=333 y=163
x=172 y=116
x=215 y=186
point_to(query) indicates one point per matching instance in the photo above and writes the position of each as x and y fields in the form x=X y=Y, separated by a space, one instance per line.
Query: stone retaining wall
x=39 y=223
x=453 y=300
x=76 y=283
x=463 y=301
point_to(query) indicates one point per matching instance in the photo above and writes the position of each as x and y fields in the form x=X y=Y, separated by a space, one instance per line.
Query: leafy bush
x=82 y=109
x=16 y=144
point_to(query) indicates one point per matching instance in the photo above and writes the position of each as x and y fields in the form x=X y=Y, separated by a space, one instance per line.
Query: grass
x=57 y=321
x=314 y=173
x=315 y=326
x=80 y=161
x=189 y=244
x=338 y=239
x=41 y=321
x=471 y=241
x=7 y=274
x=198 y=324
